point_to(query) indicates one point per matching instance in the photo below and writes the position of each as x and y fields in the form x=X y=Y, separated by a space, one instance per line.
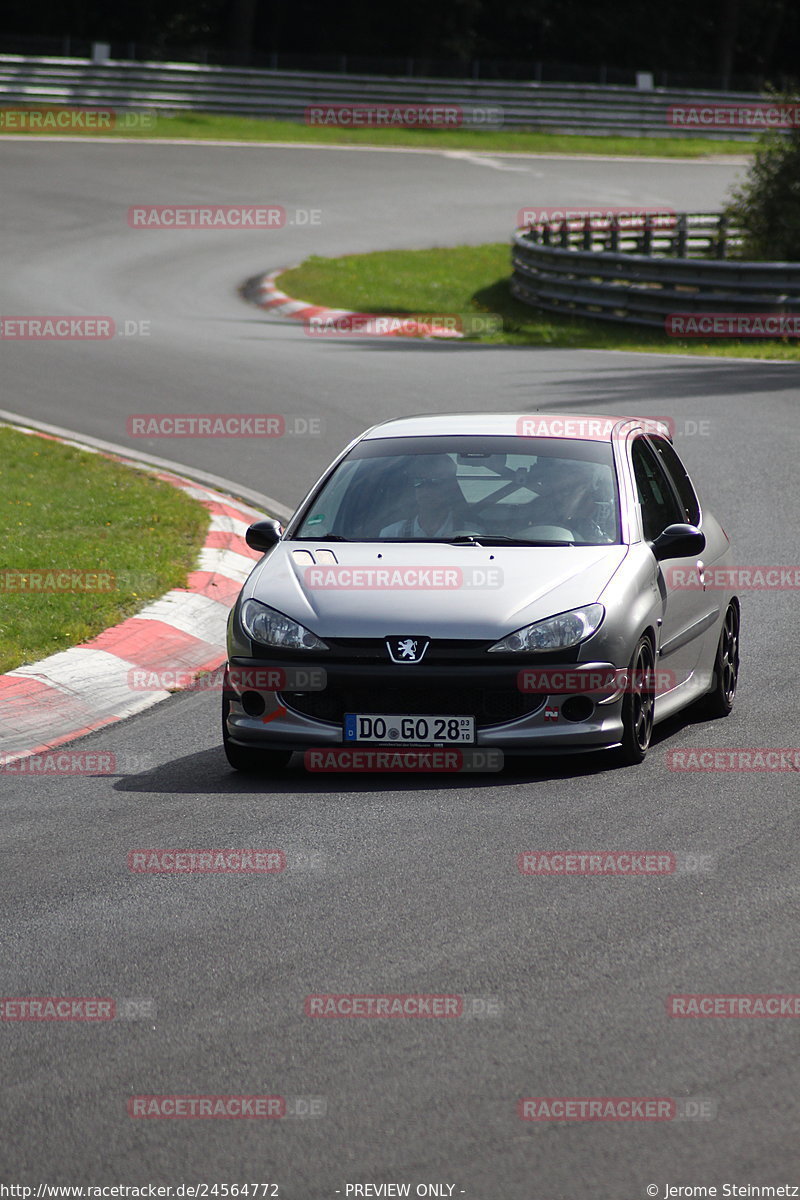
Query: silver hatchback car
x=536 y=583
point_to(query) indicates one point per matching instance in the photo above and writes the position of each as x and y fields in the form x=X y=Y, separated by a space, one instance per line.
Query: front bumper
x=281 y=724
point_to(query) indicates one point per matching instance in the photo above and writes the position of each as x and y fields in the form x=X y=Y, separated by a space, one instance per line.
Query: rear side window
x=660 y=507
x=677 y=473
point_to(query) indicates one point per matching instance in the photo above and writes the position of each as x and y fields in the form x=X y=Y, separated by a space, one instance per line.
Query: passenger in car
x=569 y=498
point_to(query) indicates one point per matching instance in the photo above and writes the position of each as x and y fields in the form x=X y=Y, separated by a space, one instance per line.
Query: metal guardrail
x=643 y=270
x=180 y=87
x=548 y=70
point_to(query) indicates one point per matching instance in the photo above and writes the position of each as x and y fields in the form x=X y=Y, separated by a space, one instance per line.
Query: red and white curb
x=87 y=687
x=264 y=292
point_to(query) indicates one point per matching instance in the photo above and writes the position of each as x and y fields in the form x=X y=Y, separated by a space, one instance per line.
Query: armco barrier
x=180 y=87
x=641 y=272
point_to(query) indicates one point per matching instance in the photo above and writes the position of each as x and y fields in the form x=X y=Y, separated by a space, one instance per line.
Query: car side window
x=677 y=473
x=660 y=507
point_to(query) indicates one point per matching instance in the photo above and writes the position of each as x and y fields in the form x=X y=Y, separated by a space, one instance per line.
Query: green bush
x=767 y=205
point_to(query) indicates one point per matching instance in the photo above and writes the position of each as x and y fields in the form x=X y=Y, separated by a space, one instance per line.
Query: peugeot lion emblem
x=407 y=649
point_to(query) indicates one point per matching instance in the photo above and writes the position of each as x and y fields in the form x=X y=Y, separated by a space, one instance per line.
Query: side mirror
x=263 y=535
x=678 y=541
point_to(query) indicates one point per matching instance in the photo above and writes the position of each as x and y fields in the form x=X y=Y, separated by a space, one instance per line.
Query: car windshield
x=494 y=490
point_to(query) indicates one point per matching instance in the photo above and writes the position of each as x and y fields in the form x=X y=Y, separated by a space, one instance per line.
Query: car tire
x=719 y=701
x=637 y=705
x=248 y=760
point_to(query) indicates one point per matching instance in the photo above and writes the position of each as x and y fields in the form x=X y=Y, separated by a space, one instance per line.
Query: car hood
x=477 y=592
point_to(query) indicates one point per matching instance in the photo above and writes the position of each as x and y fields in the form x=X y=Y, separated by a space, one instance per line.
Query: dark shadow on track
x=208 y=772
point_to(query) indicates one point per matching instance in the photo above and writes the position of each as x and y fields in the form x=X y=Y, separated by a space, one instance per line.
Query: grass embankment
x=65 y=510
x=217 y=127
x=470 y=279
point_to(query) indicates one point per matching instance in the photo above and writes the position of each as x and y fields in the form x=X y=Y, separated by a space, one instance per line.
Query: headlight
x=555 y=633
x=272 y=628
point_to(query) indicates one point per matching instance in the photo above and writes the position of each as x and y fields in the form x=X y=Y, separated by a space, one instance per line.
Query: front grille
x=488 y=706
x=450 y=651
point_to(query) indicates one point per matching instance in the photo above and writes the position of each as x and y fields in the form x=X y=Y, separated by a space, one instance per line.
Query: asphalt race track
x=395 y=884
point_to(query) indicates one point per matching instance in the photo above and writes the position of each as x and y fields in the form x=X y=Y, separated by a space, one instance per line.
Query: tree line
x=722 y=38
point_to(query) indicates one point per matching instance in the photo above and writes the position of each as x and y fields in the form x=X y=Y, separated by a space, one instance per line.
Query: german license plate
x=410 y=730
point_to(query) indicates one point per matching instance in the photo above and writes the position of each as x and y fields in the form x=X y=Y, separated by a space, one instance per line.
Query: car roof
x=577 y=426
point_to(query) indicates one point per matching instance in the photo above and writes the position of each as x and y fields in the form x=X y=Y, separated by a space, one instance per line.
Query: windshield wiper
x=324 y=537
x=555 y=542
x=499 y=539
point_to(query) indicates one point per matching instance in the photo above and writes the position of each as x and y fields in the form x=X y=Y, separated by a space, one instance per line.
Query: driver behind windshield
x=440 y=508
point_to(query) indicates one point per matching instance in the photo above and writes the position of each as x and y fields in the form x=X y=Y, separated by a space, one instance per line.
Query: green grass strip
x=470 y=279
x=219 y=127
x=63 y=509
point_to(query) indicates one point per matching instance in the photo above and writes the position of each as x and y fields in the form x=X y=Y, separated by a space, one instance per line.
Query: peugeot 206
x=535 y=583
